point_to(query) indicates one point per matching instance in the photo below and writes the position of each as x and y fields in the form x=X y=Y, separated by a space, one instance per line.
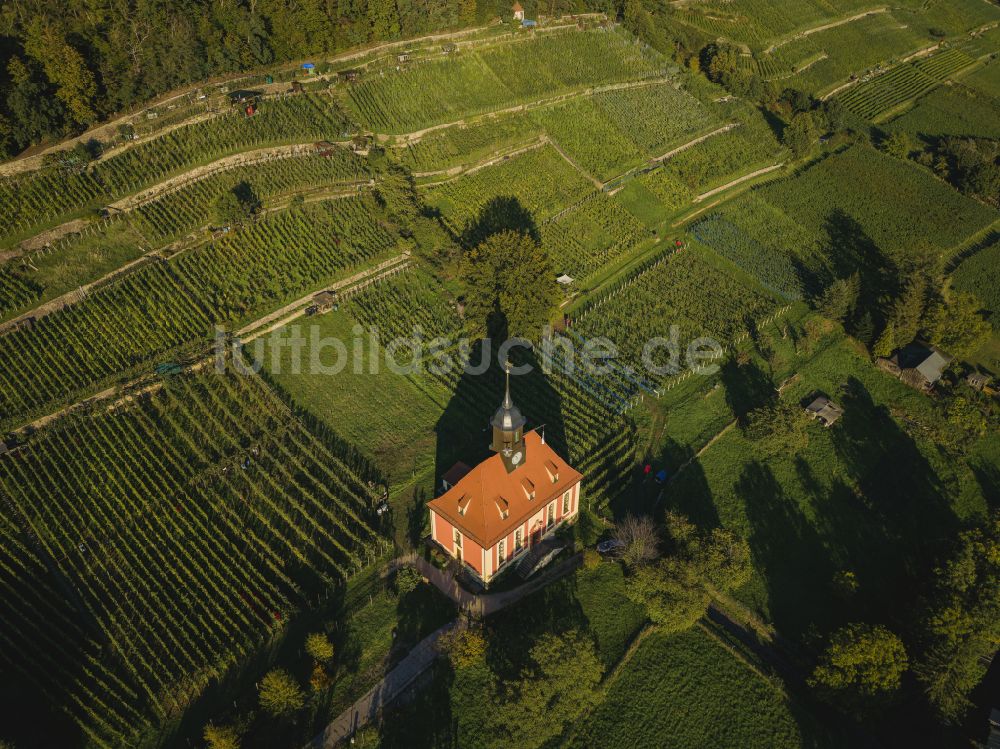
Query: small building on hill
x=978 y=381
x=825 y=411
x=491 y=515
x=918 y=365
x=518 y=11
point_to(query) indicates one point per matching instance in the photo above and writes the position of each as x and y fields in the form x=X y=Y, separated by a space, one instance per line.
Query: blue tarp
x=661 y=476
x=529 y=24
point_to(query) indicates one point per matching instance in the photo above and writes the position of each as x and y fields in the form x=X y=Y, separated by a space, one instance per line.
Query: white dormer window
x=553 y=470
x=503 y=507
x=529 y=488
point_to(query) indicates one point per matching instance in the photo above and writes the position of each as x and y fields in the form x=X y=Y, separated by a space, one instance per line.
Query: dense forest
x=65 y=66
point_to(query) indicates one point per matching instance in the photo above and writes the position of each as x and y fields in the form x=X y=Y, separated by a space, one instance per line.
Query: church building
x=492 y=514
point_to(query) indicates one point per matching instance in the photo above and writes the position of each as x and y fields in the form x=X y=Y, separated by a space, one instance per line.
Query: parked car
x=612 y=547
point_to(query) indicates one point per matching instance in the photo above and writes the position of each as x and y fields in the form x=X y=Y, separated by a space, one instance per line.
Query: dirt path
x=416 y=135
x=596 y=182
x=289 y=312
x=105 y=130
x=491 y=161
x=737 y=181
x=696 y=141
x=824 y=27
x=298 y=307
x=389 y=687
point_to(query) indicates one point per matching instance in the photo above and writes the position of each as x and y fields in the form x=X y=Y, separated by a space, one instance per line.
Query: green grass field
x=959 y=110
x=688 y=691
x=833 y=505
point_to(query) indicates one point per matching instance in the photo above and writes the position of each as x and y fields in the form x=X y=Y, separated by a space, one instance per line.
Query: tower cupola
x=508 y=429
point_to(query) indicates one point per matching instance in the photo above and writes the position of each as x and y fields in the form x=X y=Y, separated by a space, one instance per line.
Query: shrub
x=218 y=737
x=318 y=646
x=279 y=694
x=591 y=559
x=407 y=580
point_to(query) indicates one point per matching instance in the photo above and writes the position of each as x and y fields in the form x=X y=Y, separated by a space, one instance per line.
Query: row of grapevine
x=682 y=289
x=767 y=244
x=466 y=144
x=49 y=196
x=497 y=77
x=405 y=304
x=147 y=550
x=863 y=197
x=882 y=93
x=943 y=65
x=120 y=328
x=540 y=179
x=190 y=207
x=715 y=161
x=589 y=235
x=15 y=289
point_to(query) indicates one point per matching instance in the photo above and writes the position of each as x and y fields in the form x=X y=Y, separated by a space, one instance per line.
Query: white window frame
x=518 y=540
x=567 y=502
x=550 y=515
x=501 y=552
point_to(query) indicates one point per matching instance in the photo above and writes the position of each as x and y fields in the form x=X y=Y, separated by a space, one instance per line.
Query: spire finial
x=507 y=402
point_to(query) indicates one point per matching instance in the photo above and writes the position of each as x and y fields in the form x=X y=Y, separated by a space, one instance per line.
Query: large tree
x=956 y=325
x=963 y=624
x=677 y=589
x=510 y=287
x=862 y=665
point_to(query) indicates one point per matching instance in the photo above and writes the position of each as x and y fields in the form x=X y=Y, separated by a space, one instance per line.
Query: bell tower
x=508 y=429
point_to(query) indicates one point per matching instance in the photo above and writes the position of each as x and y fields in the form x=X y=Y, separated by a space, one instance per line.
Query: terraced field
x=148 y=549
x=885 y=92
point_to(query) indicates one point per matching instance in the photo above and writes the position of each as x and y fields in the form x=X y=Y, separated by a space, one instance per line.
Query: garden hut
x=308 y=67
x=978 y=380
x=825 y=411
x=564 y=280
x=518 y=11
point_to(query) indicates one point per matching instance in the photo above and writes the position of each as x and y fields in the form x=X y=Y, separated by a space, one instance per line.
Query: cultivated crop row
x=589 y=235
x=53 y=194
x=191 y=206
x=682 y=289
x=15 y=290
x=120 y=328
x=540 y=180
x=472 y=82
x=148 y=549
x=884 y=92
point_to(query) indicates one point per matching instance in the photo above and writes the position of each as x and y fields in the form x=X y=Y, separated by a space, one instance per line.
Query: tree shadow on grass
x=422 y=716
x=895 y=514
x=850 y=250
x=787 y=549
x=687 y=492
x=502 y=213
x=988 y=477
x=747 y=387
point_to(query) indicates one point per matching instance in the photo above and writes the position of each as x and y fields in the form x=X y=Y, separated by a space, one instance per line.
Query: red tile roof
x=476 y=504
x=517 y=7
x=456 y=473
